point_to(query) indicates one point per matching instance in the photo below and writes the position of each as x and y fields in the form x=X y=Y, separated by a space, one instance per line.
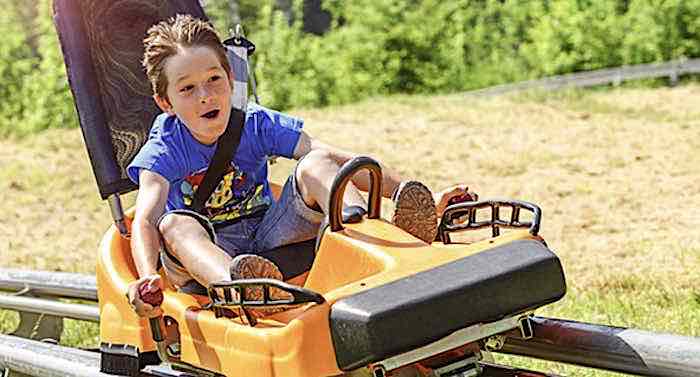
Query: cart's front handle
x=346 y=172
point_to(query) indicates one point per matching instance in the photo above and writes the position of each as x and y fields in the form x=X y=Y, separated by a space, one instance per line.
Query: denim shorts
x=288 y=220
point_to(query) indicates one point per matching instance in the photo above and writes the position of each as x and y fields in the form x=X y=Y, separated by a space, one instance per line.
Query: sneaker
x=249 y=266
x=414 y=210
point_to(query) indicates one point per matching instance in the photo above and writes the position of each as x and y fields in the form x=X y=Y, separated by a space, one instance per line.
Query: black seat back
x=102 y=44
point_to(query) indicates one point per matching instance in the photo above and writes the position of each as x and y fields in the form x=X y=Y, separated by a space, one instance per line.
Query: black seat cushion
x=293 y=260
x=414 y=311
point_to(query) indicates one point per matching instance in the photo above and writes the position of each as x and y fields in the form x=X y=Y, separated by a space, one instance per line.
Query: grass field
x=616 y=173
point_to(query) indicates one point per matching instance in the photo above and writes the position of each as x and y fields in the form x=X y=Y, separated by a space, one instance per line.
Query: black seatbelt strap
x=237 y=51
x=225 y=150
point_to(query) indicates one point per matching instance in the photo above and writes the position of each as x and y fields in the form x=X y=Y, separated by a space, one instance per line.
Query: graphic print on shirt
x=234 y=197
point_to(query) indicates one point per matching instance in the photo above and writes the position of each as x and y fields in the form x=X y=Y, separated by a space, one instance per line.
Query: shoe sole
x=414 y=211
x=249 y=266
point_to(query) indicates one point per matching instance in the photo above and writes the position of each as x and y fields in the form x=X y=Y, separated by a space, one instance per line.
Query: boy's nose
x=204 y=95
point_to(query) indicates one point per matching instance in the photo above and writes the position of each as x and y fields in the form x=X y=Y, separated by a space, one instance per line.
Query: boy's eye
x=186 y=88
x=215 y=78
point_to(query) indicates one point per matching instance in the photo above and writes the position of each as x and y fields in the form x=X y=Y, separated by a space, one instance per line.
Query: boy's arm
x=145 y=240
x=391 y=179
x=150 y=205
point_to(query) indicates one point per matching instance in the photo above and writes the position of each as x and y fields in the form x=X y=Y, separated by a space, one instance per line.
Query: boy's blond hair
x=165 y=38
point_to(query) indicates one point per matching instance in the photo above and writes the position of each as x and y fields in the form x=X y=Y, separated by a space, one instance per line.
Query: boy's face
x=199 y=92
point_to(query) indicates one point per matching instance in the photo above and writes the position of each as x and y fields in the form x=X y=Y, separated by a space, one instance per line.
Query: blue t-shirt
x=175 y=154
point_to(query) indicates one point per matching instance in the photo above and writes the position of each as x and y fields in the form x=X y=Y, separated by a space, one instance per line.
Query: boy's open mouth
x=211 y=114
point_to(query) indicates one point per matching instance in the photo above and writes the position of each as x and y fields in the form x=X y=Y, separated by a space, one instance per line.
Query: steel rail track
x=40 y=359
x=36 y=358
x=52 y=284
x=51 y=307
x=619 y=349
x=598 y=346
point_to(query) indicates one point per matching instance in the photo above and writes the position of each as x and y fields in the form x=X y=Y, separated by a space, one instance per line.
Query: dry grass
x=615 y=172
x=53 y=217
x=618 y=188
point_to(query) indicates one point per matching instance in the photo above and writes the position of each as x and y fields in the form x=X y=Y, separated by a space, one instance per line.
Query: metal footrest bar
x=222 y=293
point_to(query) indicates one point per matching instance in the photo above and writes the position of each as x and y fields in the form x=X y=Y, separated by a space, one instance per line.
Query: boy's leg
x=189 y=240
x=315 y=174
x=414 y=207
x=191 y=253
x=290 y=219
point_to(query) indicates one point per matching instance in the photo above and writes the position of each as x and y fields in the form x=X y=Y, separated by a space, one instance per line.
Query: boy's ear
x=163 y=104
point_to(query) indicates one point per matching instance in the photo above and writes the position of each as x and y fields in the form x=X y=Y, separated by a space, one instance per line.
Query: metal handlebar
x=347 y=171
x=469 y=209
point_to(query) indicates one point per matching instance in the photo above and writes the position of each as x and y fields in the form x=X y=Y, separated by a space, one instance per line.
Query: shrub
x=16 y=63
x=376 y=47
x=34 y=90
x=48 y=103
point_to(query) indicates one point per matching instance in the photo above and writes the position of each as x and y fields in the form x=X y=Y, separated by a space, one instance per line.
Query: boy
x=191 y=78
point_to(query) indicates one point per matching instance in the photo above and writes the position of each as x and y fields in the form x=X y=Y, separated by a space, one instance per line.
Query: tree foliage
x=34 y=93
x=375 y=47
x=16 y=62
x=378 y=47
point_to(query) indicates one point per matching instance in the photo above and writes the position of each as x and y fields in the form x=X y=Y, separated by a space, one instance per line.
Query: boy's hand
x=145 y=296
x=452 y=195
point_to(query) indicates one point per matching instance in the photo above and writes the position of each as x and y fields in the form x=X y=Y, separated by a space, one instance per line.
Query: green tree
x=494 y=35
x=374 y=47
x=16 y=63
x=48 y=103
x=574 y=35
x=660 y=30
x=225 y=14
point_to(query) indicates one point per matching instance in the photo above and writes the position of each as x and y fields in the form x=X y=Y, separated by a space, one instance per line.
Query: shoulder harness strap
x=237 y=50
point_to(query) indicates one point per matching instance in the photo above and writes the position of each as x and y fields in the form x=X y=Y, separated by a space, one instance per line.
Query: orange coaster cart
x=365 y=296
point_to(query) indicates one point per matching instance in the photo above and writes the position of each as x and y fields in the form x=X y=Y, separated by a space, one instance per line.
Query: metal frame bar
x=452 y=341
x=117 y=211
x=672 y=69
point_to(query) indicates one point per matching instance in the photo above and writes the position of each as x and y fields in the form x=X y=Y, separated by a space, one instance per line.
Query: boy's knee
x=313 y=163
x=176 y=224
